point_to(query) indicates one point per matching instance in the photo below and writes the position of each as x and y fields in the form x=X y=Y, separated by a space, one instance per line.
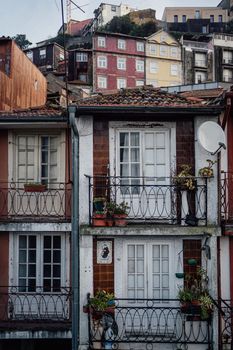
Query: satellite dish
x=211 y=136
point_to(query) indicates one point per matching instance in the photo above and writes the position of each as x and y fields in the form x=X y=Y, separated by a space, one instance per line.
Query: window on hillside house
x=121 y=44
x=121 y=63
x=200 y=59
x=102 y=82
x=121 y=83
x=197 y=14
x=102 y=62
x=153 y=67
x=184 y=19
x=42 y=53
x=140 y=46
x=139 y=66
x=174 y=69
x=113 y=8
x=200 y=77
x=139 y=82
x=153 y=49
x=174 y=52
x=163 y=50
x=81 y=57
x=220 y=19
x=204 y=29
x=101 y=41
x=175 y=18
x=211 y=18
x=30 y=55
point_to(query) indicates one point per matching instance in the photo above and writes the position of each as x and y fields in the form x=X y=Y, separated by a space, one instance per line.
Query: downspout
x=75 y=230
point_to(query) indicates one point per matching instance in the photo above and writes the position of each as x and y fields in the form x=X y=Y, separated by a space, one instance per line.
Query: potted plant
x=207 y=171
x=194 y=297
x=99 y=203
x=98 y=218
x=102 y=302
x=118 y=212
x=184 y=180
x=35 y=187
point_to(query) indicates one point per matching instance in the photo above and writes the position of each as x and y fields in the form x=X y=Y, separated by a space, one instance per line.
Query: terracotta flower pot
x=120 y=220
x=99 y=220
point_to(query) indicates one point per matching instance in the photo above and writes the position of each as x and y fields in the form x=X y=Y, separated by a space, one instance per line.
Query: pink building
x=118 y=61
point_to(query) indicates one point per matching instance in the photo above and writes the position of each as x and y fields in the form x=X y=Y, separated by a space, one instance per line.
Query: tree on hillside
x=21 y=41
x=125 y=25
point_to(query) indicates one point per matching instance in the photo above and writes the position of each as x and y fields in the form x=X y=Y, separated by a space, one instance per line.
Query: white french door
x=39 y=272
x=143 y=164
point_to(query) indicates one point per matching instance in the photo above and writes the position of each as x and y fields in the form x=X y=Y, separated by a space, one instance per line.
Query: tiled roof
x=76 y=27
x=33 y=112
x=207 y=93
x=145 y=96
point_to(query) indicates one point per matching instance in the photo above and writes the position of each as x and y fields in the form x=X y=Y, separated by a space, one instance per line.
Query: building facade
x=163 y=60
x=118 y=61
x=223 y=49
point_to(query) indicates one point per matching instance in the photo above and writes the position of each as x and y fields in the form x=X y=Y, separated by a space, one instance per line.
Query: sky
x=41 y=19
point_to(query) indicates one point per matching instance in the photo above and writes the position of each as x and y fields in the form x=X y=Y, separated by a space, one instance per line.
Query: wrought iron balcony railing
x=148 y=322
x=149 y=199
x=38 y=305
x=226 y=196
x=18 y=202
x=226 y=324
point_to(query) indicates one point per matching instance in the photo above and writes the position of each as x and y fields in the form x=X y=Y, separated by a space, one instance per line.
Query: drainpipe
x=75 y=229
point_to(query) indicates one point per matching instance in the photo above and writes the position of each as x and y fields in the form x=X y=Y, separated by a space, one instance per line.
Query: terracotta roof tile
x=207 y=93
x=33 y=112
x=145 y=96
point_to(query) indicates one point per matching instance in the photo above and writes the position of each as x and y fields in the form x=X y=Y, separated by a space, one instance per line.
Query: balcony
x=226 y=195
x=148 y=322
x=18 y=203
x=35 y=309
x=153 y=200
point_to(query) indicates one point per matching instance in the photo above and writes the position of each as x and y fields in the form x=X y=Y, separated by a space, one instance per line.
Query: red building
x=118 y=61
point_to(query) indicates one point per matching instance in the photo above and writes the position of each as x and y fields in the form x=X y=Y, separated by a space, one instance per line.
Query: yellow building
x=163 y=60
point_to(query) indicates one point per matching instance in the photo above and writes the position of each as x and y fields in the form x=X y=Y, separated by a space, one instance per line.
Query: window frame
x=99 y=77
x=121 y=44
x=101 y=41
x=102 y=61
x=121 y=63
x=140 y=65
x=140 y=46
x=119 y=81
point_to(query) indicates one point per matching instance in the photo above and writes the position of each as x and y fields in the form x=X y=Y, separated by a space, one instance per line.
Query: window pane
x=22 y=270
x=31 y=285
x=124 y=155
x=56 y=285
x=44 y=157
x=32 y=256
x=22 y=285
x=22 y=242
x=134 y=154
x=47 y=285
x=31 y=270
x=57 y=242
x=47 y=256
x=44 y=171
x=32 y=241
x=131 y=266
x=22 y=256
x=131 y=251
x=57 y=256
x=47 y=242
x=124 y=170
x=124 y=139
x=56 y=271
x=135 y=170
x=47 y=270
x=134 y=138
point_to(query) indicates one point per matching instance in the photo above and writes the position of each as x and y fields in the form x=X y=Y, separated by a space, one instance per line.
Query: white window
x=200 y=59
x=81 y=57
x=174 y=52
x=37 y=158
x=184 y=18
x=200 y=77
x=139 y=82
x=153 y=49
x=174 y=69
x=227 y=56
x=101 y=41
x=42 y=53
x=102 y=62
x=153 y=67
x=197 y=14
x=228 y=75
x=140 y=46
x=121 y=44
x=121 y=83
x=139 y=66
x=204 y=29
x=40 y=264
x=121 y=63
x=163 y=50
x=30 y=55
x=148 y=270
x=102 y=82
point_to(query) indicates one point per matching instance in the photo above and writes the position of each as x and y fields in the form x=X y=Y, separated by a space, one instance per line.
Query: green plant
x=206 y=303
x=118 y=209
x=101 y=300
x=184 y=178
x=207 y=171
